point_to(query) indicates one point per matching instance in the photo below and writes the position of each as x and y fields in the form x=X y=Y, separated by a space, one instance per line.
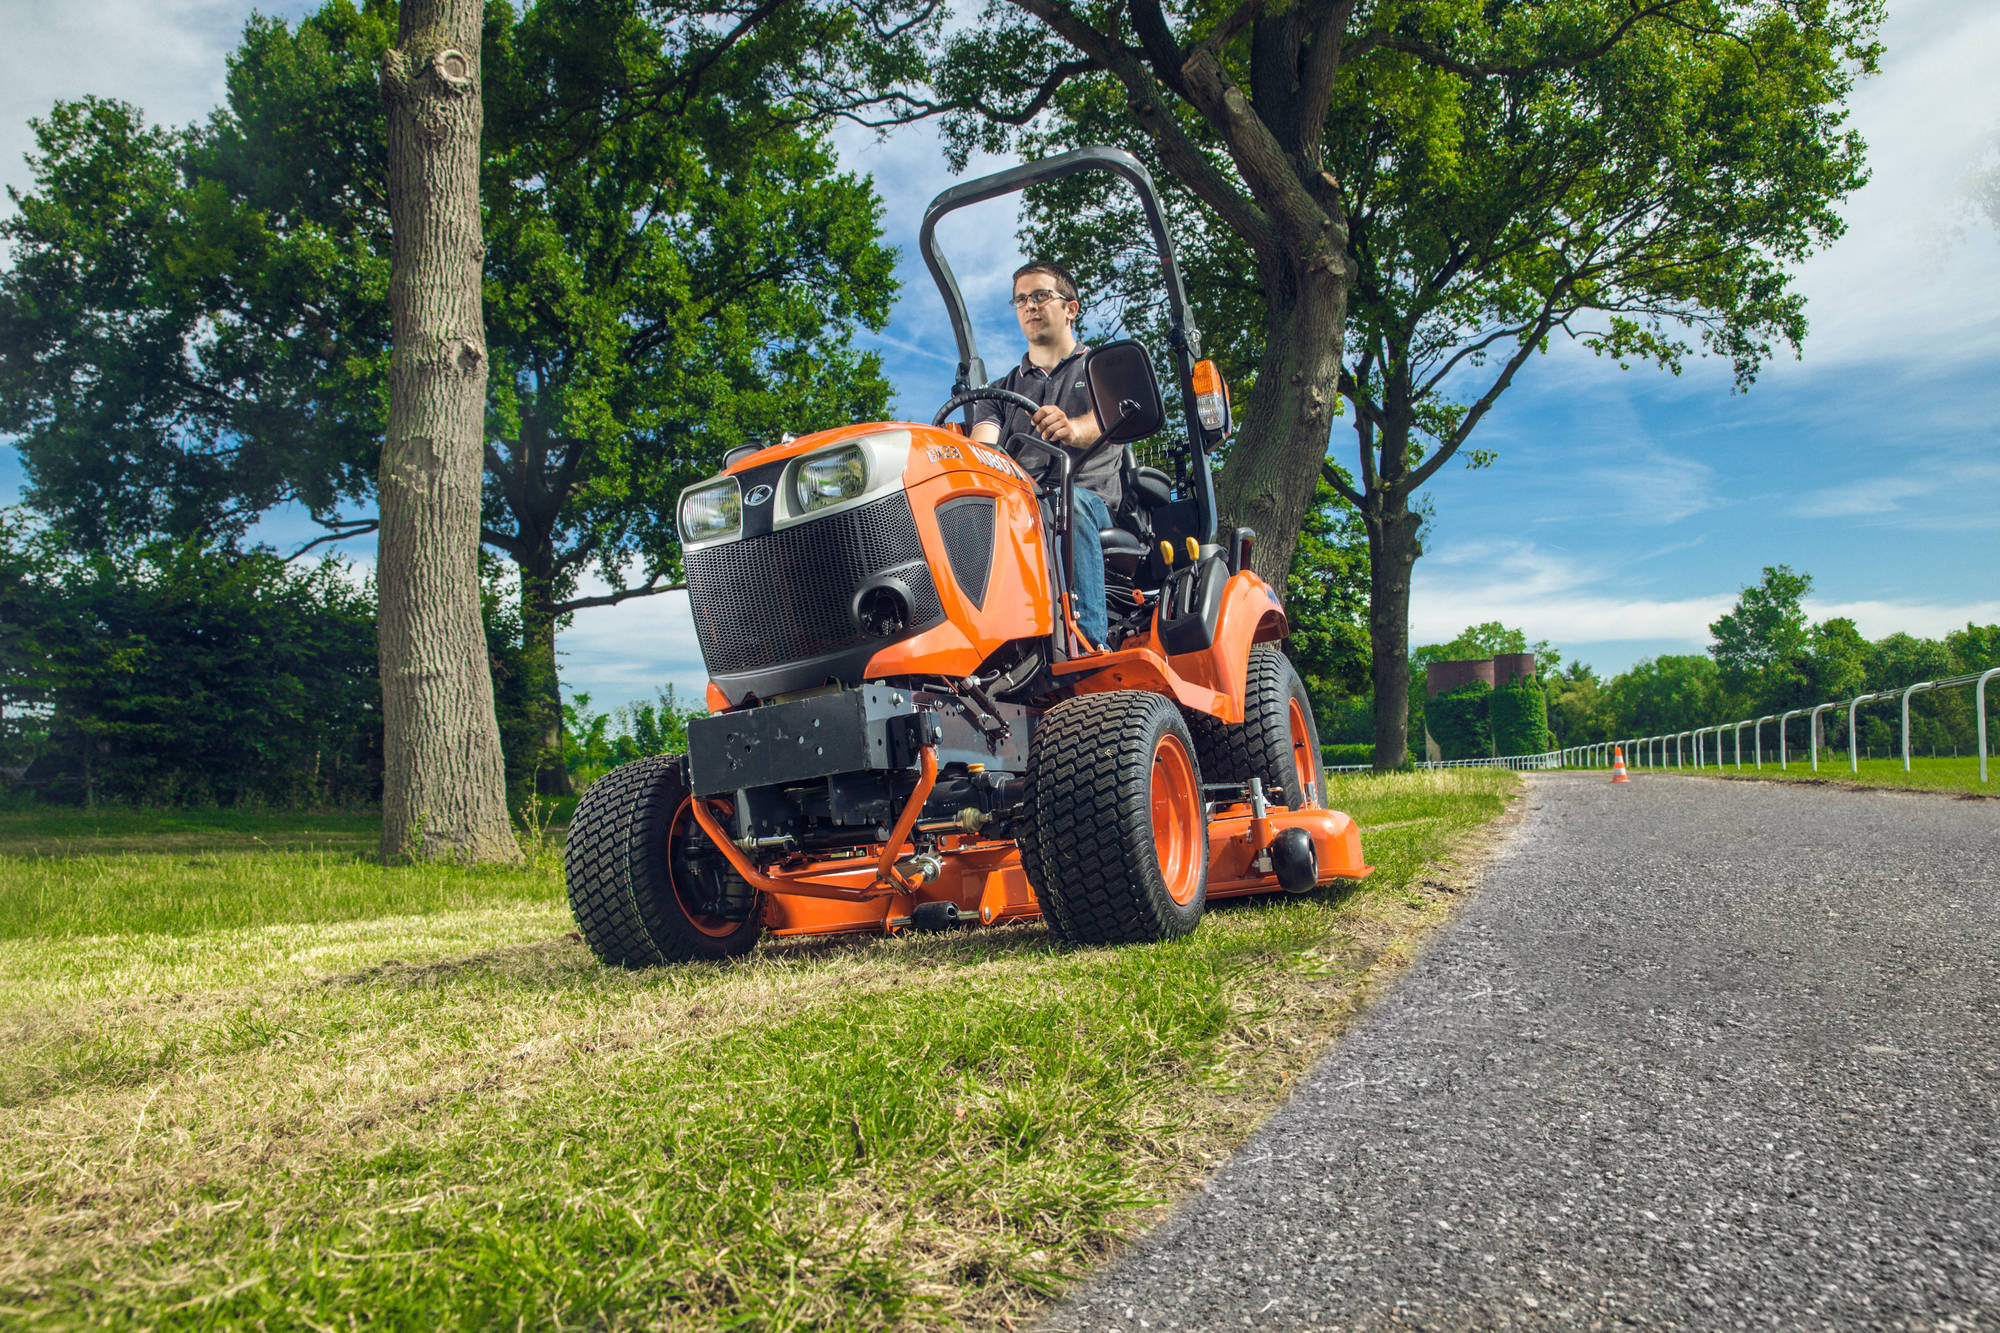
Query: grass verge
x=1926 y=774
x=454 y=1118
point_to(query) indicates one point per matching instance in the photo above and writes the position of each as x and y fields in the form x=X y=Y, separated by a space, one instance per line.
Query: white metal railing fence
x=1655 y=751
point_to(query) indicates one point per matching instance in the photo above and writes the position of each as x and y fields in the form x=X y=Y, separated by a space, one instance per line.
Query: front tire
x=634 y=863
x=1117 y=843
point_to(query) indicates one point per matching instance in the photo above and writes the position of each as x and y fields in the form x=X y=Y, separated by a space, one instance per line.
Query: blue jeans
x=1088 y=514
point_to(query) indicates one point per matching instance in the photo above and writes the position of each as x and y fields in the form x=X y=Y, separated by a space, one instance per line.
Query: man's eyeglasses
x=1036 y=299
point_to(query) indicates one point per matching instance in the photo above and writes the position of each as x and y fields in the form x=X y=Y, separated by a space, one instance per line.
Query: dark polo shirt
x=1097 y=468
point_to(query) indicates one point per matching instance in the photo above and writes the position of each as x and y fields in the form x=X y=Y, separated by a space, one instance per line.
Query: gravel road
x=1698 y=1055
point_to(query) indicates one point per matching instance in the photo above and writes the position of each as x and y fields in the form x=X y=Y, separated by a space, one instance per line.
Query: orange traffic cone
x=1618 y=764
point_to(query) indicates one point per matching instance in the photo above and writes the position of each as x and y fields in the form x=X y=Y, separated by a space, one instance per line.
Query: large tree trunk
x=1274 y=468
x=443 y=779
x=1393 y=549
x=538 y=643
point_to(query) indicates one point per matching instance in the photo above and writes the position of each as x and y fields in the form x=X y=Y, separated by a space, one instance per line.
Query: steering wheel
x=986 y=394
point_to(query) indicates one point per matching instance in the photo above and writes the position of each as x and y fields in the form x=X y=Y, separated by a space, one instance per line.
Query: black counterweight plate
x=841 y=732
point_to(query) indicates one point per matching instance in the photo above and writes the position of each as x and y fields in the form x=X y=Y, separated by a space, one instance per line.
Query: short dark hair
x=1065 y=284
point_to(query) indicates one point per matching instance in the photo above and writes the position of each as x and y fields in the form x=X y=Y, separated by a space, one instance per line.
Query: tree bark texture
x=1393 y=549
x=444 y=781
x=1268 y=483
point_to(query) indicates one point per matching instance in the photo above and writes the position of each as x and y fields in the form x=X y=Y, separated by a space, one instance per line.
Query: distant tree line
x=1765 y=657
x=180 y=672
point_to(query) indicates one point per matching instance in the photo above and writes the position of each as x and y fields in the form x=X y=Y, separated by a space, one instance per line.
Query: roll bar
x=1183 y=338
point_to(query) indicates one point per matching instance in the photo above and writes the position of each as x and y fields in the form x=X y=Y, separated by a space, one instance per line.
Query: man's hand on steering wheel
x=1054 y=425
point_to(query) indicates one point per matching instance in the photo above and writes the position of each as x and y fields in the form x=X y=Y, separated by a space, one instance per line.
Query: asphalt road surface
x=1698 y=1055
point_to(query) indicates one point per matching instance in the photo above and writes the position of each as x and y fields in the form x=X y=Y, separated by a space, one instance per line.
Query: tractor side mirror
x=1124 y=392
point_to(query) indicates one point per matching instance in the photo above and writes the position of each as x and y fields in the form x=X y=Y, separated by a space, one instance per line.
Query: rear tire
x=1117 y=842
x=1278 y=741
x=631 y=830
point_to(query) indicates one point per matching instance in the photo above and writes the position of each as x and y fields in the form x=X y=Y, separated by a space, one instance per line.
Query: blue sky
x=1626 y=508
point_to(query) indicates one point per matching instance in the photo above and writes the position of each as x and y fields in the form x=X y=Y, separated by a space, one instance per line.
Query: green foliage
x=1518 y=714
x=177 y=672
x=1460 y=722
x=664 y=282
x=194 y=328
x=1579 y=711
x=1760 y=644
x=1490 y=639
x=1326 y=601
x=1672 y=692
x=1347 y=754
x=595 y=743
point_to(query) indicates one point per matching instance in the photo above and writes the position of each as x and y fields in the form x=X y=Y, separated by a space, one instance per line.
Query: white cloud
x=1946 y=484
x=1550 y=595
x=164 y=56
x=618 y=654
x=1547 y=595
x=1926 y=620
x=1863 y=497
x=1890 y=290
x=1654 y=487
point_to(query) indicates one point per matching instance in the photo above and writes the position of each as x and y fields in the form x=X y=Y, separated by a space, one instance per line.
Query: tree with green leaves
x=1326 y=602
x=1761 y=642
x=195 y=328
x=1398 y=202
x=1668 y=693
x=174 y=671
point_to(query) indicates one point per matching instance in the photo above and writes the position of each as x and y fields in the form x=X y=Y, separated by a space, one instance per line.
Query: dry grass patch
x=456 y=1126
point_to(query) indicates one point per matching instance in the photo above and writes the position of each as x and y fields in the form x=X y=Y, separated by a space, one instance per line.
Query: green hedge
x=1518 y=713
x=1458 y=721
x=1331 y=755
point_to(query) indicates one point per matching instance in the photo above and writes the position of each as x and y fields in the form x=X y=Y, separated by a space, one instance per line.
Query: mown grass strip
x=886 y=1133
x=44 y=830
x=1943 y=773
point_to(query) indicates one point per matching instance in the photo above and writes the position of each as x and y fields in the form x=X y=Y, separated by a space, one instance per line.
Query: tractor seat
x=1122 y=547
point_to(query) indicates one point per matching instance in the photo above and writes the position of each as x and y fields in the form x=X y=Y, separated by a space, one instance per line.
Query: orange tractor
x=910 y=731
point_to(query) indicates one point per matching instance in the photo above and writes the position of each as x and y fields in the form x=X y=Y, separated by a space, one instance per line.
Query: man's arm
x=986 y=432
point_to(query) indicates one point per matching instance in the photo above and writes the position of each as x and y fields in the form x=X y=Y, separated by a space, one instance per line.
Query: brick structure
x=1496 y=671
x=1443 y=677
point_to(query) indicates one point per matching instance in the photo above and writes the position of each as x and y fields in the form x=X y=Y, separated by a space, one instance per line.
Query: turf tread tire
x=616 y=867
x=1089 y=851
x=1262 y=746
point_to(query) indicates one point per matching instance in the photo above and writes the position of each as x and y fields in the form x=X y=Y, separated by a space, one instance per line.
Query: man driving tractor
x=1051 y=373
x=904 y=734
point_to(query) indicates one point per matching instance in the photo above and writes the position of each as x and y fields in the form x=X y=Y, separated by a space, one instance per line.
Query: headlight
x=711 y=511
x=828 y=478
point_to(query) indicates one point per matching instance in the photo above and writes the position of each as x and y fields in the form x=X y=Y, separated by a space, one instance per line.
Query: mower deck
x=985 y=882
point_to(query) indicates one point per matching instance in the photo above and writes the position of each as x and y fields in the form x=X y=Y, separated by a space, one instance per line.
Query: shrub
x=175 y=672
x=1458 y=721
x=1518 y=714
x=1331 y=755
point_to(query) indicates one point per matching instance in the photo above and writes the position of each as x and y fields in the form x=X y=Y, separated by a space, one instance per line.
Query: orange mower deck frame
x=985 y=879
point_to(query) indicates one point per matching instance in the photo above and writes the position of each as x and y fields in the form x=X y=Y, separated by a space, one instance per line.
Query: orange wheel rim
x=1177 y=819
x=718 y=927
x=1304 y=770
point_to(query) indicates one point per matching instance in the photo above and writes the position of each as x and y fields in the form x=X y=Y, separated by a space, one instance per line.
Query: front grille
x=967 y=528
x=783 y=597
